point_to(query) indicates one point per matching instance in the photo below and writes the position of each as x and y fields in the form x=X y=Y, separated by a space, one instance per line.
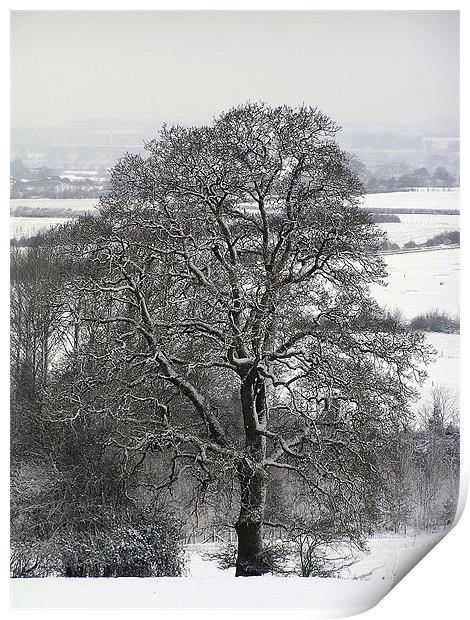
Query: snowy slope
x=436 y=200
x=364 y=585
x=419 y=228
x=421 y=281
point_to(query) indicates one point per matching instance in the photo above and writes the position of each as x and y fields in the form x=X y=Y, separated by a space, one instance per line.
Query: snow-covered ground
x=330 y=598
x=29 y=226
x=390 y=558
x=76 y=204
x=421 y=281
x=419 y=227
x=443 y=372
x=441 y=201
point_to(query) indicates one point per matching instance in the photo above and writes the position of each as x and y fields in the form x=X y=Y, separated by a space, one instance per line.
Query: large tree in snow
x=234 y=258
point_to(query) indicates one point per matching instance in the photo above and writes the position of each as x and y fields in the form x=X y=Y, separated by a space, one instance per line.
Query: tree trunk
x=249 y=527
x=253 y=480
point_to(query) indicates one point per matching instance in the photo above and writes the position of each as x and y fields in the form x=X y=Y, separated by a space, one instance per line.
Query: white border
x=437 y=587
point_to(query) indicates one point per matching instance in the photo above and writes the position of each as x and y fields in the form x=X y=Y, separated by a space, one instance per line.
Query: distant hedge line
x=451 y=237
x=435 y=321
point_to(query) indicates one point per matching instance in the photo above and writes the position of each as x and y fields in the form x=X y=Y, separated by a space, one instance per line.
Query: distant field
x=76 y=204
x=444 y=370
x=441 y=201
x=29 y=226
x=420 y=227
x=421 y=281
x=412 y=227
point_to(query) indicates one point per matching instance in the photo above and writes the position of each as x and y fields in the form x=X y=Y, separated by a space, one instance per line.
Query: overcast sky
x=368 y=68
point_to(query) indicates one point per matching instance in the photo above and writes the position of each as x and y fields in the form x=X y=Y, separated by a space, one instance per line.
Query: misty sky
x=368 y=68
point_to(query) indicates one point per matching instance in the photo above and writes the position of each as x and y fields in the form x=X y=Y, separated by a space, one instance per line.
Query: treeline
x=421 y=470
x=451 y=237
x=26 y=211
x=403 y=211
x=384 y=218
x=420 y=177
x=435 y=321
x=44 y=182
x=56 y=188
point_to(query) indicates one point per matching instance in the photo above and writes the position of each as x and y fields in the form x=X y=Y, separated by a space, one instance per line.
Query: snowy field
x=75 y=204
x=421 y=281
x=443 y=372
x=28 y=226
x=380 y=563
x=206 y=586
x=440 y=200
x=419 y=227
x=415 y=227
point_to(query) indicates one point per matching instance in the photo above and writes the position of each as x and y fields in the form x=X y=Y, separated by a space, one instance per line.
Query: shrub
x=273 y=559
x=452 y=237
x=387 y=245
x=32 y=559
x=435 y=321
x=379 y=218
x=324 y=546
x=143 y=545
x=448 y=510
x=319 y=545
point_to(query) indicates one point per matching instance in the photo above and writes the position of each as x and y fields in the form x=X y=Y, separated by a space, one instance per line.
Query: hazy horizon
x=363 y=68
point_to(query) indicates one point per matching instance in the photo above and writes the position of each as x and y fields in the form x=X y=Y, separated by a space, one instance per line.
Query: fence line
x=225 y=534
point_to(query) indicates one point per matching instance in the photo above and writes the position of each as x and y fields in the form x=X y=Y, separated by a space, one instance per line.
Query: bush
x=32 y=559
x=382 y=218
x=273 y=559
x=435 y=321
x=446 y=238
x=451 y=237
x=145 y=545
x=320 y=546
x=324 y=546
x=387 y=246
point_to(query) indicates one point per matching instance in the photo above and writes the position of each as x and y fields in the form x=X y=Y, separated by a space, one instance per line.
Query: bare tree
x=235 y=257
x=436 y=483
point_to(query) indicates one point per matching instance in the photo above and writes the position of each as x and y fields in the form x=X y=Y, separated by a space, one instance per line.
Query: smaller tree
x=437 y=461
x=324 y=544
x=397 y=467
